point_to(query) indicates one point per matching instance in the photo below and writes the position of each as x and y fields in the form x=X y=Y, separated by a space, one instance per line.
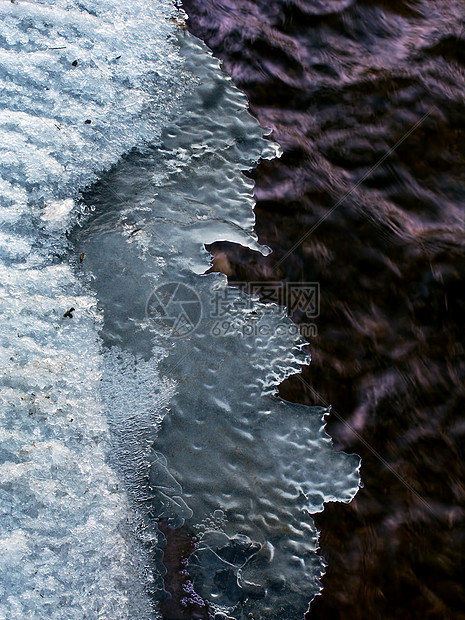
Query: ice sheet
x=110 y=421
x=238 y=466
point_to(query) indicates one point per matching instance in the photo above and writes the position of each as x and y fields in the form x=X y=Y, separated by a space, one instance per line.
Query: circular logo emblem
x=175 y=306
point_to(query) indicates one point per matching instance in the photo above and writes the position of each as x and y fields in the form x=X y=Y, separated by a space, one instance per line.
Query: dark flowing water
x=367 y=100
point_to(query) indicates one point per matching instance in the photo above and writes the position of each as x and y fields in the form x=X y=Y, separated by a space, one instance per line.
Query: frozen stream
x=135 y=387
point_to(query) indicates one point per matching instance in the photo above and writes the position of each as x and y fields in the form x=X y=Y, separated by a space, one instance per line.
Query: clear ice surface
x=110 y=421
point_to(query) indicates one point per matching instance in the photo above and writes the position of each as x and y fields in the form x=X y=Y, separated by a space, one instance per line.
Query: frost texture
x=81 y=83
x=66 y=549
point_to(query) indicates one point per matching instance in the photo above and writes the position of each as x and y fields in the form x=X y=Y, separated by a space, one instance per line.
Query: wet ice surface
x=341 y=83
x=110 y=422
x=243 y=468
x=67 y=542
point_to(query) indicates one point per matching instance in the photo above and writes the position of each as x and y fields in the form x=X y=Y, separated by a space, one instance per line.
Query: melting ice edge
x=109 y=421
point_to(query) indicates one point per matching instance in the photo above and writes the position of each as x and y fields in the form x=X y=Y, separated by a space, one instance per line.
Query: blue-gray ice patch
x=242 y=468
x=119 y=405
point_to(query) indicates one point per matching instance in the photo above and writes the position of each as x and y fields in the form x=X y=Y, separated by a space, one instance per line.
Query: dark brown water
x=367 y=100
